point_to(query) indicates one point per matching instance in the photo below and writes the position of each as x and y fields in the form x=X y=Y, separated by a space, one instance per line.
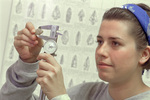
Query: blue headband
x=142 y=17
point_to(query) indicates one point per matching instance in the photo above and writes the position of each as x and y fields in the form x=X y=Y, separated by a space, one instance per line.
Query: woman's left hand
x=50 y=76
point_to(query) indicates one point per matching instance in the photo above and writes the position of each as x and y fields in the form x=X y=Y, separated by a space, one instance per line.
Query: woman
x=123 y=52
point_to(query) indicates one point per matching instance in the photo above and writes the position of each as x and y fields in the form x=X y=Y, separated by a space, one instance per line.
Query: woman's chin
x=105 y=77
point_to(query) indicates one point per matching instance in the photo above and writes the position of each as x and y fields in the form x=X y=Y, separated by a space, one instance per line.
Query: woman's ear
x=145 y=55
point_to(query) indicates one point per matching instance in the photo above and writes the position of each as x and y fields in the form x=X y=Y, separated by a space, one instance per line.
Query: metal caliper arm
x=53 y=32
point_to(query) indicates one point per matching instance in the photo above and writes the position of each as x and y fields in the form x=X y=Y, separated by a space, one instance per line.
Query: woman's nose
x=102 y=50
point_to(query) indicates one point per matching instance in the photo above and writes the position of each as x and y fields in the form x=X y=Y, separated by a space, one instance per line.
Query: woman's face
x=116 y=56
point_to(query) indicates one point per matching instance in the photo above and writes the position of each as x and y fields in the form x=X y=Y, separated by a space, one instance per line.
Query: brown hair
x=136 y=30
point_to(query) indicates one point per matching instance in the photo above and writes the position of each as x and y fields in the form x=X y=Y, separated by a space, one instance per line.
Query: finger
x=42 y=81
x=25 y=38
x=20 y=43
x=46 y=66
x=44 y=86
x=26 y=32
x=39 y=80
x=48 y=58
x=41 y=73
x=30 y=27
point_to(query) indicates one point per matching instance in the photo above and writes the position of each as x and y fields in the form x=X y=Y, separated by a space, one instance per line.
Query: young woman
x=123 y=52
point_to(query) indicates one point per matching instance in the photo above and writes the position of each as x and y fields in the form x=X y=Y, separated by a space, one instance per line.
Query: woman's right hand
x=27 y=44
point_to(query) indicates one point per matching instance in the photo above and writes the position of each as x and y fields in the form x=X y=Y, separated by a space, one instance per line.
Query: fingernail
x=33 y=31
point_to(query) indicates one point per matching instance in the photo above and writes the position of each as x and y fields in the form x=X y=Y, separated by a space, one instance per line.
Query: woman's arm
x=20 y=82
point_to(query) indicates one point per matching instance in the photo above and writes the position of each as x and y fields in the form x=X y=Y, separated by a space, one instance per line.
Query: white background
x=5 y=6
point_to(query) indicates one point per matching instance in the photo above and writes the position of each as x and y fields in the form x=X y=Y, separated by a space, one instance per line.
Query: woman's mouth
x=102 y=65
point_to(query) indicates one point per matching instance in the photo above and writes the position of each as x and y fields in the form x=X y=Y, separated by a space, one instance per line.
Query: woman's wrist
x=31 y=60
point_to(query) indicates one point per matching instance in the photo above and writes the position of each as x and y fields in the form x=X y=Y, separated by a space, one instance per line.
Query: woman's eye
x=99 y=42
x=114 y=43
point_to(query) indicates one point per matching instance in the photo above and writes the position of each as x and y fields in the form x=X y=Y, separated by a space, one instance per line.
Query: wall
x=4 y=22
x=79 y=22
